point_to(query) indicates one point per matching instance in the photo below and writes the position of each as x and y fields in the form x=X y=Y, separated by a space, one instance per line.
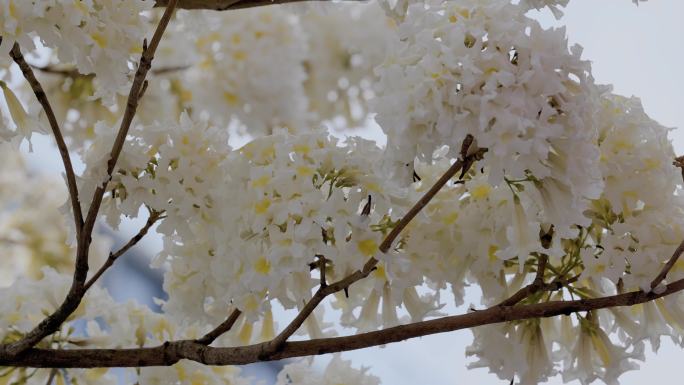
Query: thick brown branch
x=225 y=5
x=668 y=266
x=154 y=216
x=224 y=327
x=52 y=322
x=37 y=88
x=171 y=352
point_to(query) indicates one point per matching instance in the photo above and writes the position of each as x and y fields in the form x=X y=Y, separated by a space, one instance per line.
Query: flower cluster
x=249 y=66
x=635 y=225
x=487 y=70
x=345 y=44
x=99 y=36
x=285 y=203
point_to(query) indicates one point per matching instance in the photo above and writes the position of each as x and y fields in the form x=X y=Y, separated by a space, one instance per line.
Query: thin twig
x=668 y=266
x=52 y=375
x=52 y=322
x=73 y=72
x=425 y=199
x=131 y=108
x=37 y=88
x=224 y=327
x=321 y=268
x=151 y=220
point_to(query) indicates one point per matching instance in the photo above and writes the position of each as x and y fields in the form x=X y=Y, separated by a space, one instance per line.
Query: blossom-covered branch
x=225 y=5
x=78 y=287
x=468 y=157
x=170 y=353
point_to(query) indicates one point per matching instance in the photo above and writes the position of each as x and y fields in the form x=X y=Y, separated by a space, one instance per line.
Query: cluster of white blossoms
x=98 y=36
x=249 y=67
x=219 y=66
x=485 y=69
x=576 y=187
x=169 y=167
x=345 y=44
x=640 y=211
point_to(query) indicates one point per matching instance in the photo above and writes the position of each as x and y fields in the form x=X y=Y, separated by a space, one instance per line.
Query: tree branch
x=151 y=220
x=171 y=352
x=73 y=72
x=225 y=5
x=224 y=327
x=52 y=322
x=37 y=88
x=131 y=108
x=468 y=157
x=668 y=266
x=465 y=160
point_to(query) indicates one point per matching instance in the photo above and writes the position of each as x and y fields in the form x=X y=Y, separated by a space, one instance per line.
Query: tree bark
x=224 y=5
x=171 y=352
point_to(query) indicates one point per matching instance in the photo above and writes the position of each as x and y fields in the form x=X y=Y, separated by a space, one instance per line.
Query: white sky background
x=639 y=51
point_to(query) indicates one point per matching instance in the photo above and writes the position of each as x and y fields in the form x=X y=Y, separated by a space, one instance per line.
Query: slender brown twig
x=37 y=88
x=425 y=199
x=73 y=72
x=131 y=108
x=224 y=327
x=668 y=266
x=52 y=322
x=51 y=377
x=151 y=220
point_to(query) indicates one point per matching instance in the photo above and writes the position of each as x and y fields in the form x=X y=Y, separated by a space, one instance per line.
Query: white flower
x=595 y=356
x=338 y=371
x=523 y=235
x=26 y=124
